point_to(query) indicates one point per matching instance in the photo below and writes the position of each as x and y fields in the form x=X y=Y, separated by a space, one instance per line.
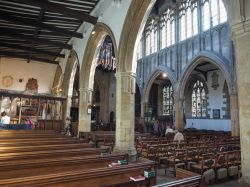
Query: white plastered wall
x=20 y=69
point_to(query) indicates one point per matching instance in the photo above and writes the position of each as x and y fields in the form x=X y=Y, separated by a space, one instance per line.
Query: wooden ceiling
x=40 y=29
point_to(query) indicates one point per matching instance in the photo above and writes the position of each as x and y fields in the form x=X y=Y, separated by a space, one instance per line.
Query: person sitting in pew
x=178 y=136
x=169 y=130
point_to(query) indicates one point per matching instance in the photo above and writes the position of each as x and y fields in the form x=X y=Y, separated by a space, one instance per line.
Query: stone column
x=241 y=38
x=67 y=106
x=125 y=90
x=84 y=116
x=178 y=109
x=234 y=113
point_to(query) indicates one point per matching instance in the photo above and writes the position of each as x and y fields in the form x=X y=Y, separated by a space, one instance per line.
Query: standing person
x=69 y=128
x=157 y=130
x=4 y=118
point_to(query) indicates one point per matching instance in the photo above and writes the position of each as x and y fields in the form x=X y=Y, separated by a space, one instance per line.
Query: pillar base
x=244 y=181
x=132 y=154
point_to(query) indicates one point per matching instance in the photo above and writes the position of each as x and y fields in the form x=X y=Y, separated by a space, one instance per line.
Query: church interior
x=124 y=93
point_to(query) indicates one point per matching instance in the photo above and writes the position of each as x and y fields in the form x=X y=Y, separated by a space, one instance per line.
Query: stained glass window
x=106 y=59
x=199 y=101
x=168 y=100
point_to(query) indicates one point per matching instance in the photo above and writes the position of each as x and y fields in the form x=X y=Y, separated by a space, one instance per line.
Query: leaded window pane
x=223 y=13
x=168 y=100
x=205 y=16
x=199 y=106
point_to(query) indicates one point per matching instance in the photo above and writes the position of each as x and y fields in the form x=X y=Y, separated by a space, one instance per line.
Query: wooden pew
x=53 y=153
x=184 y=178
x=41 y=166
x=28 y=131
x=29 y=139
x=32 y=148
x=182 y=174
x=44 y=142
x=25 y=136
x=117 y=176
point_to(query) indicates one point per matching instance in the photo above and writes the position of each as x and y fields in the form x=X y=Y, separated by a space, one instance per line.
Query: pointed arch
x=135 y=21
x=69 y=73
x=212 y=58
x=57 y=79
x=91 y=53
x=155 y=73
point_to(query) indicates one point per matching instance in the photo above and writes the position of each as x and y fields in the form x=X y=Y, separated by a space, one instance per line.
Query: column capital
x=85 y=95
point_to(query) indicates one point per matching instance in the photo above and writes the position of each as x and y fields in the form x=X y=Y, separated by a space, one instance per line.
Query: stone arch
x=57 y=79
x=69 y=73
x=155 y=73
x=91 y=52
x=235 y=12
x=208 y=57
x=71 y=67
x=133 y=26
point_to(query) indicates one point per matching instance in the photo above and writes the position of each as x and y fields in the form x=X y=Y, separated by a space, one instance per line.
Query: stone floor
x=169 y=176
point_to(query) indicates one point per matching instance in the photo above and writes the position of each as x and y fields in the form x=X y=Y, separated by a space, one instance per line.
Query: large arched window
x=168 y=100
x=151 y=37
x=188 y=19
x=199 y=100
x=213 y=13
x=167 y=29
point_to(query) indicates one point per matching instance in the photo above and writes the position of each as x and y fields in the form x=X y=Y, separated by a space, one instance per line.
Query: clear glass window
x=199 y=101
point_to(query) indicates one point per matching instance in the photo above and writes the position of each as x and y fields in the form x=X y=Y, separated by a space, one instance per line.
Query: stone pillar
x=125 y=99
x=234 y=113
x=84 y=116
x=178 y=109
x=241 y=38
x=67 y=106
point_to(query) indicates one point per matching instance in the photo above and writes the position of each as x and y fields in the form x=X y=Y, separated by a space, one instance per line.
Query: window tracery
x=167 y=29
x=168 y=100
x=199 y=100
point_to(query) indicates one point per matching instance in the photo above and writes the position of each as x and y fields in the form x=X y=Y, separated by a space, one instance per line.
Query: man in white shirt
x=168 y=130
x=5 y=119
x=178 y=136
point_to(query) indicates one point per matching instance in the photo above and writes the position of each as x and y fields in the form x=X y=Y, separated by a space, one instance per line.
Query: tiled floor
x=168 y=177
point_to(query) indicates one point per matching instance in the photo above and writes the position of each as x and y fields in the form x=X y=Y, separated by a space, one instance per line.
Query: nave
x=48 y=158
